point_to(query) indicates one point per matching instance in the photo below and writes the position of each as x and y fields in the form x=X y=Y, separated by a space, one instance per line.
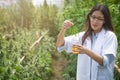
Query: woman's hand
x=67 y=24
x=78 y=49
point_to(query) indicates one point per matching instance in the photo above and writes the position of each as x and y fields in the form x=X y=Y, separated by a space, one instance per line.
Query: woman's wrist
x=63 y=29
x=87 y=51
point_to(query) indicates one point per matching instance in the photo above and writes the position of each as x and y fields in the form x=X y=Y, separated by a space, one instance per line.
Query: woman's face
x=96 y=21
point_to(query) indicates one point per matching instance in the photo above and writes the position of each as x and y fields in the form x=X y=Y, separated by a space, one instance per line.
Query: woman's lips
x=94 y=25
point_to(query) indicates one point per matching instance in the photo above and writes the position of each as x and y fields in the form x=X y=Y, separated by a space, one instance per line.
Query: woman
x=97 y=45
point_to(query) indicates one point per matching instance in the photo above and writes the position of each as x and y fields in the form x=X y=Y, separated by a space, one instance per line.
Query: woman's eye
x=100 y=19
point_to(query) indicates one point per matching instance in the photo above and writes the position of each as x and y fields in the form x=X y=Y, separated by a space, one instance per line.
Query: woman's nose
x=95 y=20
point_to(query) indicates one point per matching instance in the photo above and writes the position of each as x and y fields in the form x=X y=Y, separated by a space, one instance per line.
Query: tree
x=48 y=18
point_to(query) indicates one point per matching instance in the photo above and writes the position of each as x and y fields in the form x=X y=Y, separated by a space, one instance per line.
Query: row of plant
x=27 y=41
x=21 y=58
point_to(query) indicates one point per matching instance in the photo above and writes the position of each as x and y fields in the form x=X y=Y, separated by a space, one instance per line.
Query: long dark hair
x=107 y=25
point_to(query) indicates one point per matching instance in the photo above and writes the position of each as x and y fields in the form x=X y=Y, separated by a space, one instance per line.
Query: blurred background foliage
x=26 y=41
x=28 y=35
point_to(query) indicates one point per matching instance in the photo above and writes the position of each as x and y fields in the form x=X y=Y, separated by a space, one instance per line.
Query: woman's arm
x=60 y=39
x=98 y=58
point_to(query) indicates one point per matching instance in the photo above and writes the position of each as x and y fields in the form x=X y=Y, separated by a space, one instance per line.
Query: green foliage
x=24 y=14
x=20 y=14
x=21 y=25
x=48 y=18
x=18 y=61
x=70 y=70
x=24 y=9
x=2 y=16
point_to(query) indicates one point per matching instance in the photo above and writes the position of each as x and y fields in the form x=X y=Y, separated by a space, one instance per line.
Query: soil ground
x=58 y=65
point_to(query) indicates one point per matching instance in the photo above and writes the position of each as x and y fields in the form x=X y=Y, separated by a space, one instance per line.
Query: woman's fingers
x=67 y=24
x=76 y=49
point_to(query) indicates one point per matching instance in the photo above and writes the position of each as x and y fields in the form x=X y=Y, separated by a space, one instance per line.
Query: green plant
x=19 y=61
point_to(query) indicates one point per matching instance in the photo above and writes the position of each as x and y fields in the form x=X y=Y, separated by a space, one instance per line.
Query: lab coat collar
x=99 y=41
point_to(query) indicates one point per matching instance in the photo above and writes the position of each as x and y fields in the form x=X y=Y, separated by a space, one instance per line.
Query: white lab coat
x=87 y=68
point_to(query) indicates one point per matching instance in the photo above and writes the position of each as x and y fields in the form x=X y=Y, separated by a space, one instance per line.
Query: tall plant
x=48 y=18
x=19 y=61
